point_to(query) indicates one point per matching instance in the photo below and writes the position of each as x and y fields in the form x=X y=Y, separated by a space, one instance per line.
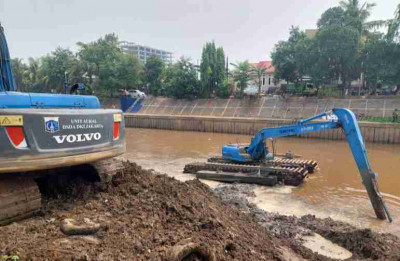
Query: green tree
x=205 y=72
x=310 y=61
x=97 y=52
x=241 y=75
x=333 y=16
x=99 y=59
x=357 y=15
x=181 y=80
x=154 y=69
x=283 y=57
x=212 y=70
x=222 y=86
x=20 y=70
x=225 y=89
x=128 y=72
x=338 y=47
x=36 y=80
x=381 y=62
x=55 y=65
x=34 y=77
x=394 y=26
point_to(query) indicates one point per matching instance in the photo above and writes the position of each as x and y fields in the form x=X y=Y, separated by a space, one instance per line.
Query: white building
x=143 y=52
x=268 y=81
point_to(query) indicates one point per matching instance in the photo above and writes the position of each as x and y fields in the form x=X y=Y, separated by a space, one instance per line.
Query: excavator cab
x=270 y=149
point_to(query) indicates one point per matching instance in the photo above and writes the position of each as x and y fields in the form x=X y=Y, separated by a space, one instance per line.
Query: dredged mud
x=145 y=216
x=363 y=243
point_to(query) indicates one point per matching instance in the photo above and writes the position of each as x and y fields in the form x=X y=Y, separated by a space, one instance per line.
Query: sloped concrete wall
x=267 y=107
x=372 y=132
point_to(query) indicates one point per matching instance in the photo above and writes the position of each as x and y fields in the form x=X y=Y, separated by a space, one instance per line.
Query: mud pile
x=363 y=243
x=142 y=216
x=146 y=216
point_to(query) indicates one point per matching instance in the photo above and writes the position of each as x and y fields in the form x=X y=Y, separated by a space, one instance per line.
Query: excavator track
x=311 y=165
x=287 y=171
x=20 y=196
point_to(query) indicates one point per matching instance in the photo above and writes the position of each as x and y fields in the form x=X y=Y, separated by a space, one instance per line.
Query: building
x=268 y=82
x=143 y=52
x=311 y=32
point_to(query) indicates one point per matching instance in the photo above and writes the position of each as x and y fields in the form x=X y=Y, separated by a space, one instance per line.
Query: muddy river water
x=335 y=190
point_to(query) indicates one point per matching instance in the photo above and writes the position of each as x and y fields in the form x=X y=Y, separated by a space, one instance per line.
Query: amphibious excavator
x=255 y=163
x=50 y=134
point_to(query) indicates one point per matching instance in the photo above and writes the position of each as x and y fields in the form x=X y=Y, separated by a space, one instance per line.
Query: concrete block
x=393 y=104
x=375 y=104
x=358 y=104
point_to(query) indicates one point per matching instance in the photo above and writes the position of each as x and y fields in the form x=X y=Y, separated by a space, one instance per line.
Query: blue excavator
x=44 y=135
x=256 y=163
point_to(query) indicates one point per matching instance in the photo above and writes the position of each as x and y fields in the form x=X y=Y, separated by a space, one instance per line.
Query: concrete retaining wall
x=372 y=132
x=268 y=107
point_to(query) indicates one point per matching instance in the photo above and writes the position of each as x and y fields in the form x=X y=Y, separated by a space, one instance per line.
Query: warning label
x=117 y=117
x=11 y=120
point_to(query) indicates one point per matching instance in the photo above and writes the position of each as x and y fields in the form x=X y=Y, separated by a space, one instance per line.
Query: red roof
x=265 y=64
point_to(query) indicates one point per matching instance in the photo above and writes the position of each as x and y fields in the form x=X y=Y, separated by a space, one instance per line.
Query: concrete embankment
x=268 y=107
x=388 y=133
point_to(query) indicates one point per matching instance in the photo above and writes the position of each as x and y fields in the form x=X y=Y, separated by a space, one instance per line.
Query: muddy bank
x=144 y=216
x=362 y=243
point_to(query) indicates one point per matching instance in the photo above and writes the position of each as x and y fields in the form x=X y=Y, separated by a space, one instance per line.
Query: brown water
x=335 y=190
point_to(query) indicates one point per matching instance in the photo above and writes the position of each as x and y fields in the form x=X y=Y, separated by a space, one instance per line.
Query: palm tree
x=394 y=25
x=19 y=71
x=260 y=72
x=33 y=72
x=241 y=75
x=358 y=15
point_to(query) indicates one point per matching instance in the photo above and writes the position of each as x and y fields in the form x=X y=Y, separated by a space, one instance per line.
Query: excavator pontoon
x=255 y=163
x=50 y=134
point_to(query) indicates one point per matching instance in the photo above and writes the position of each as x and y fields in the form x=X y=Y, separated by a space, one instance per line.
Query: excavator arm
x=342 y=118
x=7 y=81
x=348 y=123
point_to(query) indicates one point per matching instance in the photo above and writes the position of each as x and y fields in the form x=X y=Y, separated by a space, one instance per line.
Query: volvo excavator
x=50 y=134
x=255 y=163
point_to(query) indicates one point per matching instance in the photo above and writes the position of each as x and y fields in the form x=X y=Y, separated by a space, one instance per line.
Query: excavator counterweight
x=49 y=134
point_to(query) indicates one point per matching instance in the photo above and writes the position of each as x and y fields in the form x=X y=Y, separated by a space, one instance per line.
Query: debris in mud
x=187 y=250
x=325 y=247
x=71 y=227
x=146 y=216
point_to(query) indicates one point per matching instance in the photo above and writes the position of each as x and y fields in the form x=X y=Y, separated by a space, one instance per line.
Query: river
x=335 y=190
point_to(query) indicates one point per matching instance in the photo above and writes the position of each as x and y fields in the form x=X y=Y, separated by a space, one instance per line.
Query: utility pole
x=227 y=66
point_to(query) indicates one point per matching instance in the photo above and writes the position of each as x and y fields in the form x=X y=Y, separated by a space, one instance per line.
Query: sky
x=246 y=29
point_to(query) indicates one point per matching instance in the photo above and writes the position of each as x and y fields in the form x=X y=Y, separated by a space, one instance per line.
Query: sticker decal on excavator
x=73 y=131
x=72 y=138
x=51 y=124
x=11 y=120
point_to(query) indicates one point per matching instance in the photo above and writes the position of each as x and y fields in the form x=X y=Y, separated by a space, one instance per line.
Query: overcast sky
x=247 y=29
